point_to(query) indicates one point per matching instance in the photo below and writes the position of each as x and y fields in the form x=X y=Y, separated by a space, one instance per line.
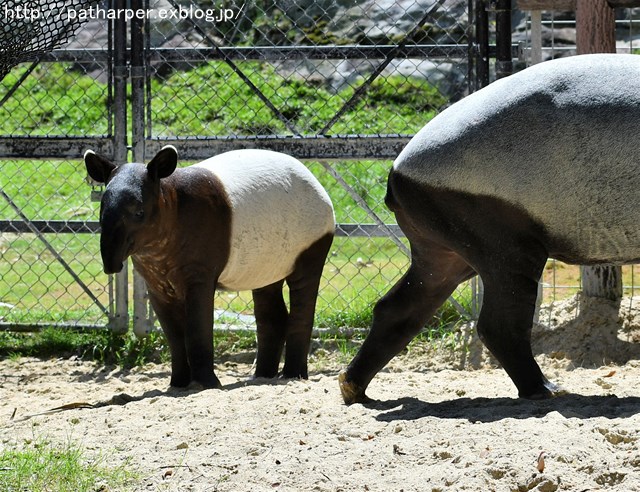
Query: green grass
x=41 y=467
x=54 y=100
x=102 y=346
x=359 y=270
x=212 y=100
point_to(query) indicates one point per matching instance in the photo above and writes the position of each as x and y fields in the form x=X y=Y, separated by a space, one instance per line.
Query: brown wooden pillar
x=595 y=27
x=596 y=33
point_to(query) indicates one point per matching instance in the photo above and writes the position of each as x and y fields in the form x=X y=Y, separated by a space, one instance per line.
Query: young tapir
x=544 y=163
x=242 y=220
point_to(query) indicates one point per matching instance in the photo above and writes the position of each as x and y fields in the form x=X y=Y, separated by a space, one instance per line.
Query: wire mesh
x=311 y=69
x=304 y=68
x=558 y=36
x=29 y=29
x=50 y=278
x=50 y=273
x=262 y=70
x=300 y=76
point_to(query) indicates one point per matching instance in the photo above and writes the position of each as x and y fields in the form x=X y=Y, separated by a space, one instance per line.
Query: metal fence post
x=141 y=323
x=120 y=323
x=504 y=63
x=482 y=44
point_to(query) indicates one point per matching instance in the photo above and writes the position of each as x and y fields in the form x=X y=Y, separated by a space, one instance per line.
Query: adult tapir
x=242 y=220
x=544 y=163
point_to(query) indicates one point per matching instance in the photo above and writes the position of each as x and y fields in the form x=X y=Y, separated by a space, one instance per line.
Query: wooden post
x=595 y=27
x=536 y=36
x=602 y=281
x=595 y=33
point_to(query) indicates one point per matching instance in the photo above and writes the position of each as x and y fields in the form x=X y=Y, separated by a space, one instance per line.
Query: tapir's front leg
x=172 y=317
x=199 y=333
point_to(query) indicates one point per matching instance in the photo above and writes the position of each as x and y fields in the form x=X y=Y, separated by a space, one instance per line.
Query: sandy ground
x=443 y=418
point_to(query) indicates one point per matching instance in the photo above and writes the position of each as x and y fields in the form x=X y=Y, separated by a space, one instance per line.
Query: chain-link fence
x=317 y=79
x=48 y=269
x=342 y=85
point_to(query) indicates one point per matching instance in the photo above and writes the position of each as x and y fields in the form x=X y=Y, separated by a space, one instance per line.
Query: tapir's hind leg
x=434 y=273
x=505 y=322
x=303 y=291
x=271 y=320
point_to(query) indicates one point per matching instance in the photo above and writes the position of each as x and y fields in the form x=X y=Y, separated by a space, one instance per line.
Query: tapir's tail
x=390 y=199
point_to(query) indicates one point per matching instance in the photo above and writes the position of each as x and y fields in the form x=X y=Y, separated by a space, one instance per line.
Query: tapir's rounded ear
x=98 y=167
x=164 y=163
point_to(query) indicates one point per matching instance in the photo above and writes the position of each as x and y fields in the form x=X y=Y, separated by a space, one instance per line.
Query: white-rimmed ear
x=98 y=167
x=164 y=162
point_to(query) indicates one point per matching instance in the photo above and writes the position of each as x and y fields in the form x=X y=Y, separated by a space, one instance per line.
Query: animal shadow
x=486 y=410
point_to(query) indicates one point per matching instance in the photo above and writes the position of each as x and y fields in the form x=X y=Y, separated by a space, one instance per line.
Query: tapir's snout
x=112 y=267
x=115 y=247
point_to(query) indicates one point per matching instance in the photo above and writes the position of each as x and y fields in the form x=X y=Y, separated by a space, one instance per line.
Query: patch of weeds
x=102 y=346
x=226 y=342
x=409 y=92
x=130 y=351
x=49 y=342
x=40 y=466
x=359 y=317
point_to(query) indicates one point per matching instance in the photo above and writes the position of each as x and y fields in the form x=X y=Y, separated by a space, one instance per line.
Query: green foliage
x=212 y=100
x=108 y=348
x=50 y=342
x=411 y=94
x=127 y=350
x=354 y=317
x=103 y=346
x=42 y=467
x=229 y=342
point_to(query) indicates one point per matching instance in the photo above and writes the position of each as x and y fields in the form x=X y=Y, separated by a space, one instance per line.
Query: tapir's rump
x=278 y=209
x=559 y=140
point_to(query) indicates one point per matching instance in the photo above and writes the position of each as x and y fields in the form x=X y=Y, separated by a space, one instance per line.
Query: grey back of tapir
x=544 y=163
x=560 y=140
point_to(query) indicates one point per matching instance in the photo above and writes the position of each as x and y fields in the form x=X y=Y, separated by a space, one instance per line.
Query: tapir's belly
x=585 y=216
x=601 y=241
x=278 y=210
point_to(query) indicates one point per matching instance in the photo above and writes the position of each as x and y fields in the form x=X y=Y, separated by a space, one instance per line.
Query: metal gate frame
x=60 y=148
x=321 y=147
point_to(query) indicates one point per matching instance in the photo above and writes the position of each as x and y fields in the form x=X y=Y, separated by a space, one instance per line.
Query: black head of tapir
x=129 y=206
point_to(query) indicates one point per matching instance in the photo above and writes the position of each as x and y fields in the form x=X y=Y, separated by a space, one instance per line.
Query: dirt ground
x=444 y=417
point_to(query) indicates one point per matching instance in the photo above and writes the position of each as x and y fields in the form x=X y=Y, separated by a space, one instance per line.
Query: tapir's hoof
x=351 y=392
x=179 y=381
x=211 y=382
x=294 y=377
x=298 y=374
x=544 y=392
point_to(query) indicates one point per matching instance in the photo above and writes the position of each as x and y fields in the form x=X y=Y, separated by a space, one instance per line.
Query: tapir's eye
x=139 y=214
